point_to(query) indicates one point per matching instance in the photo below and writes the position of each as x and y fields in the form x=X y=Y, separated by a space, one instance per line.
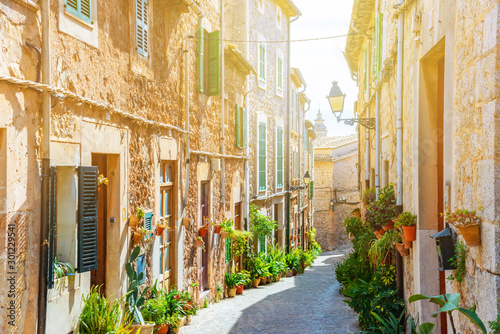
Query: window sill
x=79 y=20
x=279 y=93
x=261 y=84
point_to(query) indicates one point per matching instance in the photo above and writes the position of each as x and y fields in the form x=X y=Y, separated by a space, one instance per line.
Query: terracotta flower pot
x=410 y=232
x=217 y=229
x=471 y=234
x=186 y=221
x=263 y=280
x=198 y=243
x=294 y=272
x=356 y=214
x=137 y=238
x=202 y=231
x=289 y=273
x=402 y=250
x=406 y=243
x=162 y=329
x=133 y=220
x=159 y=230
x=256 y=282
x=239 y=289
x=231 y=293
x=388 y=226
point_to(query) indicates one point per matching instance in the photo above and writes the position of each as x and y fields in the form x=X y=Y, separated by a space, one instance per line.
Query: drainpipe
x=377 y=142
x=201 y=15
x=367 y=158
x=223 y=174
x=288 y=139
x=399 y=103
x=301 y=191
x=44 y=226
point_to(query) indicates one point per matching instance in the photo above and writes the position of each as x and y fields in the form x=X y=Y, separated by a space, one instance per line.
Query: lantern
x=445 y=248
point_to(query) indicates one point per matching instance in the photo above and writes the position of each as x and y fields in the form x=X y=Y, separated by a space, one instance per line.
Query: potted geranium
x=467 y=223
x=407 y=223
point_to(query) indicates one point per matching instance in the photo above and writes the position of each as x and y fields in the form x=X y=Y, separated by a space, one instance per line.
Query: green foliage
x=369 y=196
x=155 y=310
x=292 y=260
x=101 y=316
x=275 y=259
x=205 y=303
x=381 y=248
x=140 y=213
x=383 y=210
x=234 y=279
x=314 y=247
x=391 y=325
x=495 y=325
x=458 y=260
x=134 y=300
x=62 y=269
x=405 y=219
x=352 y=268
x=240 y=242
x=462 y=217
x=448 y=304
x=425 y=328
x=257 y=267
x=261 y=225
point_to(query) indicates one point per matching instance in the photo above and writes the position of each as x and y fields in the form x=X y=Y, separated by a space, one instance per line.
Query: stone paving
x=308 y=303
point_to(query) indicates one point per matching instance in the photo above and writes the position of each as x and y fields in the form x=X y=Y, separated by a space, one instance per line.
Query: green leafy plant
x=353 y=267
x=101 y=316
x=139 y=212
x=462 y=217
x=390 y=325
x=261 y=225
x=405 y=219
x=257 y=267
x=62 y=269
x=383 y=210
x=232 y=280
x=495 y=325
x=155 y=310
x=425 y=328
x=227 y=225
x=239 y=242
x=205 y=303
x=448 y=304
x=369 y=196
x=458 y=260
x=134 y=299
x=381 y=249
x=220 y=290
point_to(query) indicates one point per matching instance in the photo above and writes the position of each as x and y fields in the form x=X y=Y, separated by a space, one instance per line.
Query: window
x=279 y=74
x=279 y=16
x=79 y=8
x=262 y=62
x=377 y=46
x=262 y=156
x=240 y=128
x=141 y=27
x=166 y=217
x=261 y=6
x=208 y=62
x=279 y=157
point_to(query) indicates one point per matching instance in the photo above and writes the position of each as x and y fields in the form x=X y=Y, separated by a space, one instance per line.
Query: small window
x=79 y=8
x=141 y=27
x=262 y=62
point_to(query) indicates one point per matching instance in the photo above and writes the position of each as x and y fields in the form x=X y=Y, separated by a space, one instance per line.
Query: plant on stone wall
x=462 y=217
x=383 y=210
x=458 y=260
x=134 y=299
x=495 y=325
x=381 y=249
x=450 y=303
x=261 y=225
x=369 y=196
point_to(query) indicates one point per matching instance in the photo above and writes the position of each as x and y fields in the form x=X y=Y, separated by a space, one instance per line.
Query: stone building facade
x=155 y=99
x=446 y=99
x=336 y=188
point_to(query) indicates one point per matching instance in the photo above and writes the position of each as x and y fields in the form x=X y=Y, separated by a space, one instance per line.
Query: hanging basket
x=410 y=232
x=202 y=231
x=402 y=250
x=471 y=234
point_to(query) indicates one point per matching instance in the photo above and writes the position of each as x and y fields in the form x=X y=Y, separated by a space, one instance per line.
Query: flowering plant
x=462 y=217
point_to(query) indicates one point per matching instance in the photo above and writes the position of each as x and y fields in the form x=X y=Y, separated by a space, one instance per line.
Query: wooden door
x=205 y=212
x=167 y=216
x=98 y=277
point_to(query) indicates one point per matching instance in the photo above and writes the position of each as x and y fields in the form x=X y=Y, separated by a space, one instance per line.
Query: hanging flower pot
x=406 y=243
x=388 y=226
x=471 y=234
x=356 y=213
x=239 y=289
x=231 y=293
x=402 y=250
x=217 y=229
x=186 y=221
x=137 y=238
x=160 y=229
x=410 y=232
x=133 y=220
x=379 y=233
x=256 y=282
x=198 y=243
x=202 y=231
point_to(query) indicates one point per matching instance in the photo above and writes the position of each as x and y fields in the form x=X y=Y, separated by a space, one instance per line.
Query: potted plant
x=382 y=211
x=134 y=299
x=227 y=228
x=63 y=269
x=186 y=221
x=467 y=223
x=155 y=310
x=198 y=242
x=380 y=250
x=407 y=223
x=231 y=280
x=243 y=278
x=356 y=212
x=257 y=269
x=161 y=226
x=398 y=242
x=203 y=230
x=133 y=220
x=140 y=233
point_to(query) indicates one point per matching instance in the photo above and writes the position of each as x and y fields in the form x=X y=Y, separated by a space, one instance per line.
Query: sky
x=322 y=62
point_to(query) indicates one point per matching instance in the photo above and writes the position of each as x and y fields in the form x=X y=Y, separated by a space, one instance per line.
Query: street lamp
x=307 y=178
x=336 y=99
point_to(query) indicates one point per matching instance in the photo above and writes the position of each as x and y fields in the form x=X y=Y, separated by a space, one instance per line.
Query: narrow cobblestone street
x=308 y=303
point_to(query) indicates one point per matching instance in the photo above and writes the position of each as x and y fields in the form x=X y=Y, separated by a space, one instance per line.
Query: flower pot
x=402 y=250
x=147 y=328
x=133 y=220
x=217 y=229
x=223 y=234
x=231 y=293
x=294 y=272
x=202 y=231
x=356 y=214
x=289 y=273
x=159 y=230
x=239 y=289
x=406 y=243
x=263 y=280
x=389 y=226
x=256 y=282
x=162 y=329
x=471 y=234
x=410 y=232
x=137 y=238
x=186 y=221
x=198 y=243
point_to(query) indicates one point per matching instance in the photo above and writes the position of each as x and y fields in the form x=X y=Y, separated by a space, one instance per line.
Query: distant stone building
x=336 y=187
x=319 y=125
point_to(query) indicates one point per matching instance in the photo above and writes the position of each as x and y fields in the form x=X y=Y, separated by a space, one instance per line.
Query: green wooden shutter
x=213 y=83
x=279 y=163
x=374 y=50
x=262 y=243
x=87 y=218
x=141 y=27
x=228 y=249
x=201 y=59
x=262 y=156
x=80 y=8
x=148 y=224
x=311 y=189
x=52 y=226
x=237 y=126
x=280 y=73
x=262 y=62
x=243 y=127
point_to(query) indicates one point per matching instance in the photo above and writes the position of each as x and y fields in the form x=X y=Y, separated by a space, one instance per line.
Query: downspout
x=247 y=126
x=367 y=158
x=222 y=91
x=288 y=138
x=44 y=226
x=301 y=191
x=201 y=15
x=377 y=142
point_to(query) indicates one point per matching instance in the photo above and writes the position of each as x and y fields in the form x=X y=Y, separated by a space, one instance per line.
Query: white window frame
x=279 y=124
x=262 y=119
x=78 y=28
x=261 y=5
x=279 y=91
x=262 y=81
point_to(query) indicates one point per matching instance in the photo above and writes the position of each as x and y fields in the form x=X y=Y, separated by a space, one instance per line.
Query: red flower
x=177 y=297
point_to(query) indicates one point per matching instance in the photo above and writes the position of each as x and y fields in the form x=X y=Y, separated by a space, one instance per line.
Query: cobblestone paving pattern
x=308 y=303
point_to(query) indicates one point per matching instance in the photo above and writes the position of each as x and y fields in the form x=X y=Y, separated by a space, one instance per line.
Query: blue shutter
x=87 y=218
x=141 y=268
x=80 y=8
x=148 y=223
x=141 y=27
